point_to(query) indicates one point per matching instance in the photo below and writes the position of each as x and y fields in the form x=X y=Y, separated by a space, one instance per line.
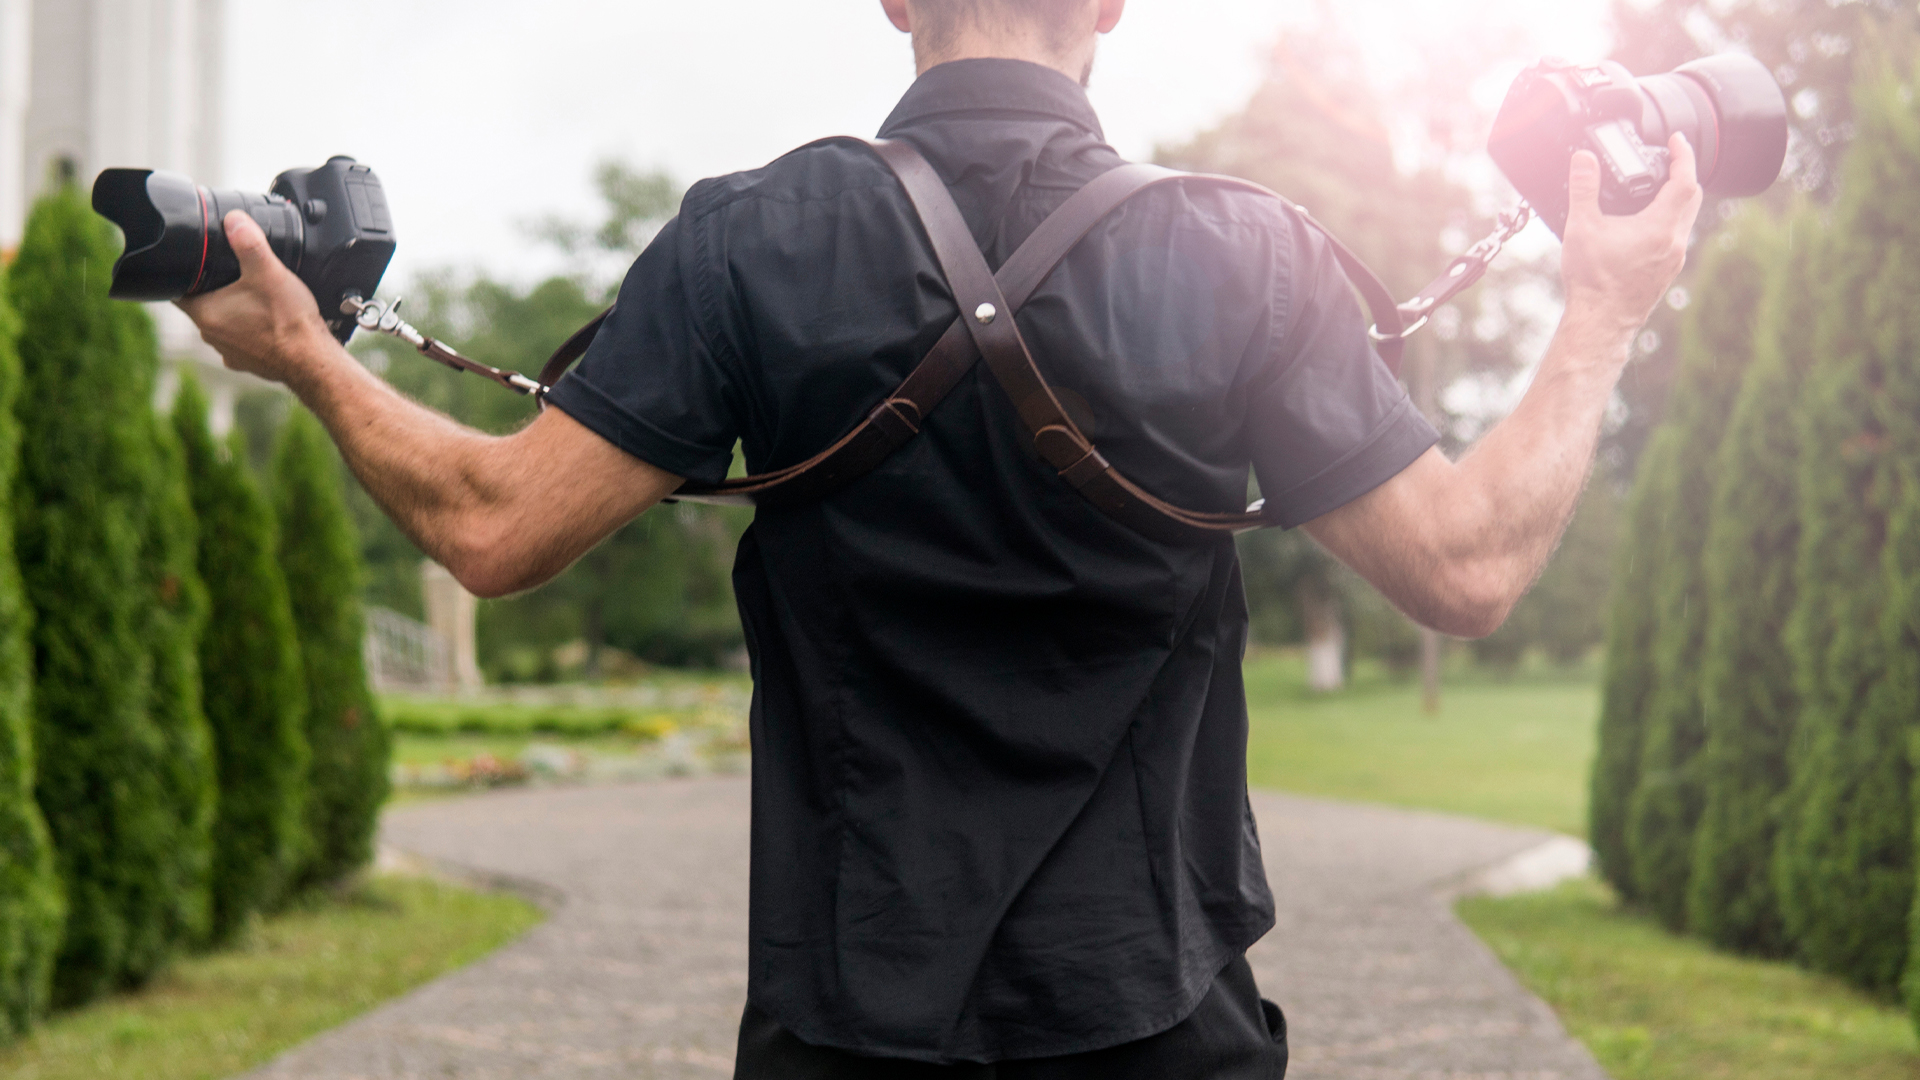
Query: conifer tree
x=1844 y=857
x=1716 y=344
x=31 y=903
x=1749 y=702
x=86 y=466
x=1628 y=683
x=175 y=611
x=321 y=557
x=256 y=694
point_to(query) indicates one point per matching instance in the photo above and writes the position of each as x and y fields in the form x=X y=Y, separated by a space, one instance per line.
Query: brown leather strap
x=986 y=329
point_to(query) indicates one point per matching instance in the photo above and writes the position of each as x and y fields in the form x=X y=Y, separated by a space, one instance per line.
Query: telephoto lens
x=1728 y=107
x=329 y=225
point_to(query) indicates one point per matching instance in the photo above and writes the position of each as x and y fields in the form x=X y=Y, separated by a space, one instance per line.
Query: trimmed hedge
x=106 y=783
x=320 y=555
x=176 y=612
x=31 y=903
x=256 y=692
x=1845 y=855
x=1749 y=701
x=1715 y=345
x=1627 y=685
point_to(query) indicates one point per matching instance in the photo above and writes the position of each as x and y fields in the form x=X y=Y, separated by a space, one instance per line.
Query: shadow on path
x=641 y=971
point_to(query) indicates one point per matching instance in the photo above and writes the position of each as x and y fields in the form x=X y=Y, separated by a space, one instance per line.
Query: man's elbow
x=486 y=563
x=1472 y=605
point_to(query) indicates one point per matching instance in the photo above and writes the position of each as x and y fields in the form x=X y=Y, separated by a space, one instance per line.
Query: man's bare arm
x=502 y=513
x=1455 y=545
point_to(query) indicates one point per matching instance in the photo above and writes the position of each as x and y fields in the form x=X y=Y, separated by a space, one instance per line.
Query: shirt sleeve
x=1329 y=421
x=650 y=383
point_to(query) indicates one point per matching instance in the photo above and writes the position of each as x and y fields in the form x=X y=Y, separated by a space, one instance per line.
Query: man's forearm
x=1517 y=490
x=1456 y=545
x=428 y=473
x=503 y=513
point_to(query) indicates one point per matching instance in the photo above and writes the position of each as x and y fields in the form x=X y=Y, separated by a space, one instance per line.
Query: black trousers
x=1232 y=1035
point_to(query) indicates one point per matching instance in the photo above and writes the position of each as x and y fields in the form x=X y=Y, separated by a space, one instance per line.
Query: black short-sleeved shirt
x=999 y=779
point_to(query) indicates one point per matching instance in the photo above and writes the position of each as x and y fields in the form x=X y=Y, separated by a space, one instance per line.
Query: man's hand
x=1455 y=546
x=1615 y=269
x=267 y=323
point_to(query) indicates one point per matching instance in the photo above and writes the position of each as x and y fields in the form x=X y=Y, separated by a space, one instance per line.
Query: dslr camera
x=1729 y=108
x=329 y=225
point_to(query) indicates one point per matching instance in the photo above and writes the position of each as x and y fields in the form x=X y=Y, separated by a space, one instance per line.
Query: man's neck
x=1077 y=65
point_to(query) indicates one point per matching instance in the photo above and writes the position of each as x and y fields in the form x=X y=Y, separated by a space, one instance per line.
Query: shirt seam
x=581 y=384
x=1393 y=421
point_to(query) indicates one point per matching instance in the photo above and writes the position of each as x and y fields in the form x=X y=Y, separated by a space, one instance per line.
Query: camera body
x=1729 y=108
x=330 y=225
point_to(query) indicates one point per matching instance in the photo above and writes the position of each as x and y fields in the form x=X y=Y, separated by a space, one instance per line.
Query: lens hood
x=1752 y=122
x=164 y=218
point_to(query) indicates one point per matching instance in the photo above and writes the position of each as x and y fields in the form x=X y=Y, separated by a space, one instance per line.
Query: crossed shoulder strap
x=985 y=329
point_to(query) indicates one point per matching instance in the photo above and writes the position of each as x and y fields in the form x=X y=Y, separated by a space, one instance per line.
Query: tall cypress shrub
x=175 y=603
x=86 y=464
x=1749 y=702
x=31 y=904
x=256 y=693
x=1845 y=854
x=1716 y=342
x=321 y=557
x=1627 y=685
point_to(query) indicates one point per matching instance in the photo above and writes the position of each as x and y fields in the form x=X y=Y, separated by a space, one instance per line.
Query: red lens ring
x=205 y=242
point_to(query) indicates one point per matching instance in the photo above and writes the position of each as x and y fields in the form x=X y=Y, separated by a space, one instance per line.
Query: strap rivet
x=985 y=314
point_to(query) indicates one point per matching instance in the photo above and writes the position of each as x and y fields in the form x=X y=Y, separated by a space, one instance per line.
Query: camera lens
x=176 y=237
x=1728 y=107
x=1749 y=121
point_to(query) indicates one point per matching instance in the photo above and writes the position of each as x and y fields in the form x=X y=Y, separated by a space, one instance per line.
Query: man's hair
x=937 y=23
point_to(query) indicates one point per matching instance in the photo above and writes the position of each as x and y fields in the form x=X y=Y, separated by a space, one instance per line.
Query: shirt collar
x=990 y=84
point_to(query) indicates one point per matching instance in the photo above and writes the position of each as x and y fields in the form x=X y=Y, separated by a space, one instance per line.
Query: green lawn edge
x=298 y=974
x=1651 y=1005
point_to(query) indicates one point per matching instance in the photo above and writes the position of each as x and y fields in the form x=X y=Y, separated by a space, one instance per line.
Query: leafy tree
x=1715 y=349
x=1627 y=686
x=256 y=695
x=1749 y=702
x=81 y=502
x=321 y=558
x=31 y=904
x=1845 y=859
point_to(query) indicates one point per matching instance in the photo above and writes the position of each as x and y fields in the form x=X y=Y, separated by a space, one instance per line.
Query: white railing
x=405 y=654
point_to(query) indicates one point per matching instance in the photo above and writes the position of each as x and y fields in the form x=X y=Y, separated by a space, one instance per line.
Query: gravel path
x=641 y=972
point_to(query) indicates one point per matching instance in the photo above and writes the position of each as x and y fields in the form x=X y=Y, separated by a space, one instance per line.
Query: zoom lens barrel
x=176 y=233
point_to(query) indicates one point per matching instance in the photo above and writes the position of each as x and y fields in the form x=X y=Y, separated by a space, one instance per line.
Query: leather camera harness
x=985 y=329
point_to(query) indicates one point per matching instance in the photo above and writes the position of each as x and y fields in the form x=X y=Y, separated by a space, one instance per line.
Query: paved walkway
x=641 y=972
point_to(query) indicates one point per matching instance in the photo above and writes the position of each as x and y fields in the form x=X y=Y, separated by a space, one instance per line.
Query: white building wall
x=108 y=83
x=16 y=50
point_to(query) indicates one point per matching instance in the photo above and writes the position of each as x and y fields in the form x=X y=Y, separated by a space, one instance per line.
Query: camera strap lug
x=383 y=317
x=1461 y=274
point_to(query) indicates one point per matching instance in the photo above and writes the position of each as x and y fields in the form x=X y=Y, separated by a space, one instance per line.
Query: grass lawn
x=302 y=972
x=1652 y=1006
x=1516 y=750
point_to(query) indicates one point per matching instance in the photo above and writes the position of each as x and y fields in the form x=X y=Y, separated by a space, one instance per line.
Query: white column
x=451 y=612
x=16 y=69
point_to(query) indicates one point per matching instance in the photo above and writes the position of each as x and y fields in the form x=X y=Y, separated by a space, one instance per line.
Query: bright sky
x=480 y=115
